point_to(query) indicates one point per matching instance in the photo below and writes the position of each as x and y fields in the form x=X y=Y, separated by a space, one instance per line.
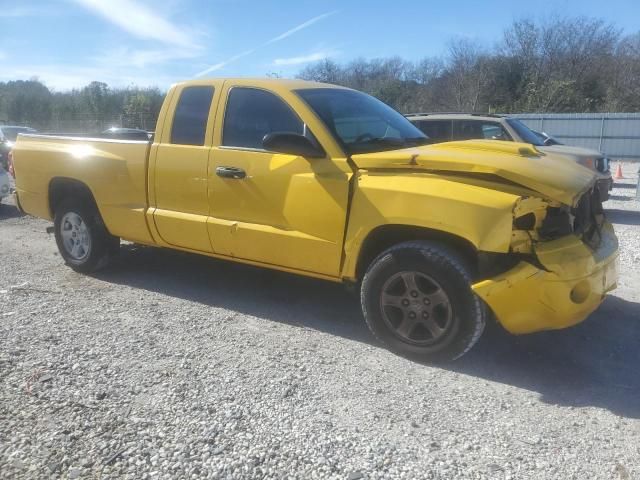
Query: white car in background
x=5 y=184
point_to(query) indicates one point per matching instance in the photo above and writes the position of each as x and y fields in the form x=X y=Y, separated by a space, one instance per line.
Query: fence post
x=601 y=133
x=542 y=123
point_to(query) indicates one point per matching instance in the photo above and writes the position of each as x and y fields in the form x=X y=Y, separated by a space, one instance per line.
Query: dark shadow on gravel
x=620 y=198
x=624 y=217
x=263 y=293
x=624 y=185
x=9 y=211
x=593 y=364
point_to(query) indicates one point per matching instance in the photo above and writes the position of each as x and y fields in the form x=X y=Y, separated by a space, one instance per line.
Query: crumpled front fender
x=573 y=283
x=467 y=209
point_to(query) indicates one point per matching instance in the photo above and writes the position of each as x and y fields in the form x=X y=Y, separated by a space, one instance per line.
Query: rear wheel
x=83 y=241
x=417 y=300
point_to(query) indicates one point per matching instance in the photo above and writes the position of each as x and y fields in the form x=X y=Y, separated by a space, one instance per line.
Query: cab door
x=273 y=208
x=179 y=167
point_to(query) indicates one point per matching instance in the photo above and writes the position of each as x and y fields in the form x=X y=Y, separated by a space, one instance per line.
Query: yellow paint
x=179 y=179
x=115 y=172
x=480 y=215
x=289 y=211
x=312 y=216
x=557 y=178
x=527 y=299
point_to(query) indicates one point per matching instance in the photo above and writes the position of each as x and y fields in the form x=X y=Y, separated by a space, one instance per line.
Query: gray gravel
x=176 y=366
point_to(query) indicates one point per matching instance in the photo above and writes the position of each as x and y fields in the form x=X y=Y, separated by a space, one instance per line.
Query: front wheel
x=417 y=300
x=83 y=241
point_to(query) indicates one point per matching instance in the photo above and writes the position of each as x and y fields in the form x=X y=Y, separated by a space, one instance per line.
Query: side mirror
x=293 y=144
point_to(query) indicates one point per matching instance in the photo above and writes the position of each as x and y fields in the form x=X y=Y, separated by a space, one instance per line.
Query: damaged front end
x=567 y=262
x=537 y=220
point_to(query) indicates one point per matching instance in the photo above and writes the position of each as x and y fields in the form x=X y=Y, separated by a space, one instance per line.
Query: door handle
x=231 y=172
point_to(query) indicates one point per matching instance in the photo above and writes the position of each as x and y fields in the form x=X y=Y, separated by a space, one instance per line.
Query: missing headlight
x=525 y=222
x=556 y=224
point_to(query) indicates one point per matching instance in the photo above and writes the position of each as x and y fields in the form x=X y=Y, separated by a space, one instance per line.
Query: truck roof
x=272 y=83
x=452 y=115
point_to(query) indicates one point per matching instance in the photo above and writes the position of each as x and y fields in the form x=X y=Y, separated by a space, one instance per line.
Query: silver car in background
x=447 y=127
x=8 y=135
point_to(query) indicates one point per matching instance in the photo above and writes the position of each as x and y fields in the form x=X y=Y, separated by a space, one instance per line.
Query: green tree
x=25 y=102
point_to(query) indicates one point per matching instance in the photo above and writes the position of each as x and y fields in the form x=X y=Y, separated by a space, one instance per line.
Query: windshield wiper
x=393 y=141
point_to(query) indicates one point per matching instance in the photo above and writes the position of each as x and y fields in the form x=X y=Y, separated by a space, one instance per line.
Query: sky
x=69 y=43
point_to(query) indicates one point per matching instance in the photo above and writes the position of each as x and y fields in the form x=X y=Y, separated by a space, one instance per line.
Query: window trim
x=245 y=149
x=253 y=149
x=170 y=141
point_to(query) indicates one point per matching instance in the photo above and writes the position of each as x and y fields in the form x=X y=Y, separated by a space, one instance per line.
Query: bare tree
x=564 y=62
x=623 y=93
x=467 y=69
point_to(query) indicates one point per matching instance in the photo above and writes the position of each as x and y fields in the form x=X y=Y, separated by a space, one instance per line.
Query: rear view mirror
x=293 y=144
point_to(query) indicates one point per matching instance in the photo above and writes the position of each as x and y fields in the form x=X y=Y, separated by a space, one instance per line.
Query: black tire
x=447 y=318
x=102 y=246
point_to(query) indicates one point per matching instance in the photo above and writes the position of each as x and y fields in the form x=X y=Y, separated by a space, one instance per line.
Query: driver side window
x=252 y=113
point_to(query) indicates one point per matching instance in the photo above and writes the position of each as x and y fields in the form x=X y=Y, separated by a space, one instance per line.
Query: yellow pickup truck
x=328 y=182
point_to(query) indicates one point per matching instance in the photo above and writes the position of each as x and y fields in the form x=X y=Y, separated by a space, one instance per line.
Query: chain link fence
x=90 y=123
x=615 y=134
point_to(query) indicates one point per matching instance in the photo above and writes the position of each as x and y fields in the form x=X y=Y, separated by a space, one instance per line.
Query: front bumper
x=528 y=299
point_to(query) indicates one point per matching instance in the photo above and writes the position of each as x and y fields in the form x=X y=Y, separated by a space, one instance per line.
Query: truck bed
x=113 y=170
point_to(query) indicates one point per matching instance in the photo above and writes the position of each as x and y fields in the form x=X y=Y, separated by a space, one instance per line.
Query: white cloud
x=282 y=36
x=140 y=21
x=127 y=57
x=66 y=77
x=312 y=57
x=224 y=63
x=302 y=26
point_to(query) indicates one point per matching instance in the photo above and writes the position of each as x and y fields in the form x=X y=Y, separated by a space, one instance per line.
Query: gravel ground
x=171 y=365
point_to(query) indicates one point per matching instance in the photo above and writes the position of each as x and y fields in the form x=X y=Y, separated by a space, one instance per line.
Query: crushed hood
x=553 y=176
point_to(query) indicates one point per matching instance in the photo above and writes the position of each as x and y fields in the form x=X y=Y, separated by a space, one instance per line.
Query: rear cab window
x=191 y=115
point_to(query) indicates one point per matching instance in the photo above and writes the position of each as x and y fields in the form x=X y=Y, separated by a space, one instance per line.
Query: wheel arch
x=61 y=188
x=385 y=236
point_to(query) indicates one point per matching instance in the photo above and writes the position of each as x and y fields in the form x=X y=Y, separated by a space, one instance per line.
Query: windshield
x=11 y=133
x=361 y=122
x=525 y=133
